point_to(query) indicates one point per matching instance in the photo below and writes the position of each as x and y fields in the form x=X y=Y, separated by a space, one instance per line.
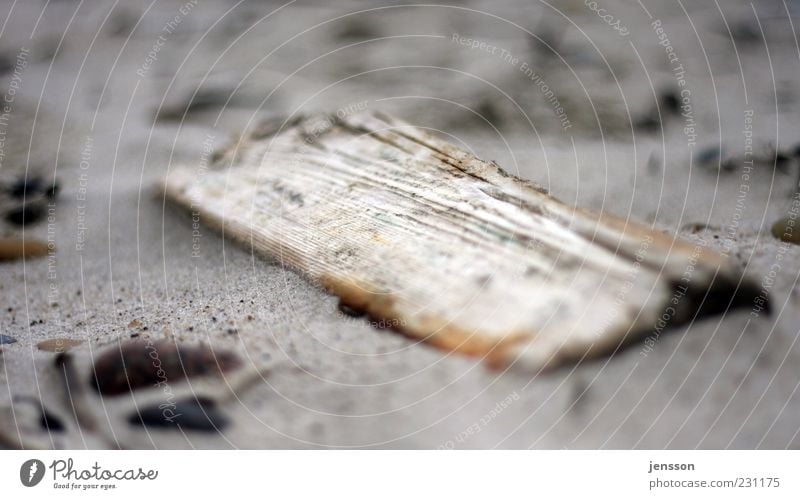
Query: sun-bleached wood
x=450 y=249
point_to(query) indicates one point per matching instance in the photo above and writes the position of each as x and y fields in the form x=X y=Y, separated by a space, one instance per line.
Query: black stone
x=199 y=414
x=671 y=102
x=28 y=213
x=782 y=161
x=6 y=340
x=52 y=190
x=51 y=422
x=26 y=186
x=357 y=30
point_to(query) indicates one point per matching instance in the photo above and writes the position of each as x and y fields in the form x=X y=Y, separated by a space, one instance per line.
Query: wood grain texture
x=449 y=248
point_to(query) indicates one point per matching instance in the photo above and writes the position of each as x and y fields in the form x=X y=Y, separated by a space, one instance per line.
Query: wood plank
x=449 y=248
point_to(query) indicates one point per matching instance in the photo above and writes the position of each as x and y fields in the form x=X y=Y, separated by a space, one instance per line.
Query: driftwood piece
x=449 y=248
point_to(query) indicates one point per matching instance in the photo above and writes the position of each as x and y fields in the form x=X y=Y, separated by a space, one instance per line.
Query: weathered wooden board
x=447 y=247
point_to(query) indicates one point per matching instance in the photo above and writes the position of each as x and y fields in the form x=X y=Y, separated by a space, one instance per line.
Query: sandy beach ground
x=682 y=115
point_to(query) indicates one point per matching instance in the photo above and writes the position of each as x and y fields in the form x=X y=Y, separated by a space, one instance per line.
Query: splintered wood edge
x=713 y=271
x=436 y=333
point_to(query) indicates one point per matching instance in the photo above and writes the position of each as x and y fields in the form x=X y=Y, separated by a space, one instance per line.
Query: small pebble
x=26 y=187
x=7 y=340
x=187 y=414
x=137 y=364
x=786 y=230
x=782 y=161
x=58 y=345
x=488 y=110
x=28 y=213
x=12 y=248
x=52 y=190
x=32 y=187
x=670 y=101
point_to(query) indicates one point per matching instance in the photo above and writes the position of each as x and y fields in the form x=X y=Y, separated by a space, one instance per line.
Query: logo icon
x=31 y=472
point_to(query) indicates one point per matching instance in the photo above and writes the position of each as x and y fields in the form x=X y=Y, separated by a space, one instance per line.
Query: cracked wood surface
x=449 y=248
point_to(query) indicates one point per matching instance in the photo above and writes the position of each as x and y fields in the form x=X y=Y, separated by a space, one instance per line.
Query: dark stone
x=32 y=187
x=52 y=190
x=7 y=64
x=136 y=364
x=50 y=422
x=671 y=101
x=7 y=340
x=199 y=414
x=357 y=29
x=488 y=110
x=28 y=213
x=782 y=230
x=47 y=420
x=782 y=161
x=26 y=186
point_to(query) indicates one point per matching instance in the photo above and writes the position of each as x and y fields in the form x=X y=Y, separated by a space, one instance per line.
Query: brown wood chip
x=450 y=248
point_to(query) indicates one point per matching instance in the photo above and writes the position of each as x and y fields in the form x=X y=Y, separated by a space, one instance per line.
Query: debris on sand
x=7 y=340
x=58 y=345
x=197 y=414
x=136 y=364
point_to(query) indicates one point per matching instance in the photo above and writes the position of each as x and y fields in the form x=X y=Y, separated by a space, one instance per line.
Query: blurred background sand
x=106 y=97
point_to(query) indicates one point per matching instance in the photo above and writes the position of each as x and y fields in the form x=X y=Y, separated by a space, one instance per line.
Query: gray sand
x=88 y=115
